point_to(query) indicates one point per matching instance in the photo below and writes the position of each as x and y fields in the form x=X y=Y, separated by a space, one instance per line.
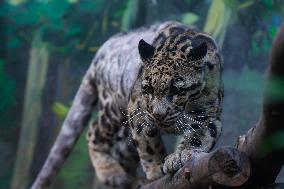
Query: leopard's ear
x=146 y=50
x=198 y=51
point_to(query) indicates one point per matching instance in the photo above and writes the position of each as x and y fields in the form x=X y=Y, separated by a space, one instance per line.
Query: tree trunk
x=218 y=19
x=37 y=69
x=264 y=142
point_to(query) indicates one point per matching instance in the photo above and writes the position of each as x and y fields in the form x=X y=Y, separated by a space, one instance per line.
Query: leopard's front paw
x=175 y=161
x=112 y=173
x=154 y=173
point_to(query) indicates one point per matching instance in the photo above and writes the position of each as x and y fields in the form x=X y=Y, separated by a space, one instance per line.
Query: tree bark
x=223 y=167
x=264 y=142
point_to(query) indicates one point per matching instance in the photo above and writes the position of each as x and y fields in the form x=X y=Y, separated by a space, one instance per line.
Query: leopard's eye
x=146 y=89
x=174 y=90
x=179 y=82
x=199 y=67
x=177 y=87
x=177 y=91
x=179 y=79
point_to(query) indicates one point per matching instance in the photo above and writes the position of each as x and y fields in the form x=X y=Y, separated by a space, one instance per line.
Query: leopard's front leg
x=150 y=148
x=201 y=138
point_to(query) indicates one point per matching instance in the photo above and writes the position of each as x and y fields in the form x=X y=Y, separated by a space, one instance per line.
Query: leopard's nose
x=159 y=117
x=159 y=112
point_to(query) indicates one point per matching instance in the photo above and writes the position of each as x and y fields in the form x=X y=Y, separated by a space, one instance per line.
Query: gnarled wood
x=223 y=167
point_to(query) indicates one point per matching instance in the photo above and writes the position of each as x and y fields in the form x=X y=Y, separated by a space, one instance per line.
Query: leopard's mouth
x=170 y=119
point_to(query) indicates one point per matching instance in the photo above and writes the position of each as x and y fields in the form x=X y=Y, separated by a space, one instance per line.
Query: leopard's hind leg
x=126 y=152
x=112 y=156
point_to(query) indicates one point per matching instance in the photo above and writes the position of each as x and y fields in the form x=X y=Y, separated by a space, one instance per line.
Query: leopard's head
x=173 y=75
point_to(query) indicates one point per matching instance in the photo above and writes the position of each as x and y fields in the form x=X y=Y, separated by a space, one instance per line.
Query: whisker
x=181 y=126
x=190 y=126
x=132 y=111
x=145 y=121
x=132 y=118
x=187 y=116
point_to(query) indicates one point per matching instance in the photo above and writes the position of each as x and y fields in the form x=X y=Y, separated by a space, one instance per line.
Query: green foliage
x=16 y=2
x=275 y=89
x=7 y=89
x=248 y=82
x=14 y=43
x=260 y=43
x=268 y=3
x=188 y=2
x=274 y=142
x=73 y=1
x=68 y=26
x=56 y=19
x=76 y=172
x=245 y=5
x=219 y=17
x=272 y=31
x=60 y=109
x=190 y=18
x=233 y=4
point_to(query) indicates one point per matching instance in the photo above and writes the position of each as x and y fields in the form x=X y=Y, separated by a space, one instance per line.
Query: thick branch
x=263 y=142
x=223 y=167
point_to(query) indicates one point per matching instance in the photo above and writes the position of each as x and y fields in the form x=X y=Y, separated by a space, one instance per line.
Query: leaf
x=60 y=109
x=188 y=2
x=231 y=4
x=272 y=31
x=274 y=142
x=245 y=5
x=268 y=3
x=73 y=1
x=16 y=2
x=74 y=30
x=14 y=43
x=54 y=10
x=189 y=18
x=219 y=17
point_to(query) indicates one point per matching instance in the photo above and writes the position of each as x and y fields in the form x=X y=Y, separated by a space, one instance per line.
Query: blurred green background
x=47 y=45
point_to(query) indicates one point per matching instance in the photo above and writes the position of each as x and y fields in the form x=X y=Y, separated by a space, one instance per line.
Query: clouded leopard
x=144 y=83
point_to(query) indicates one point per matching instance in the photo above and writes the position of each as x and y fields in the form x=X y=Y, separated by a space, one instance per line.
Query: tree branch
x=262 y=143
x=225 y=166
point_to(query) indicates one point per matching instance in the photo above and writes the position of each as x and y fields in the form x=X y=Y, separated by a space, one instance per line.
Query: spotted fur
x=162 y=79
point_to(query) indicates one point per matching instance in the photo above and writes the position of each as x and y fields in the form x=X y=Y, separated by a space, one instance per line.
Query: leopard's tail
x=73 y=125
